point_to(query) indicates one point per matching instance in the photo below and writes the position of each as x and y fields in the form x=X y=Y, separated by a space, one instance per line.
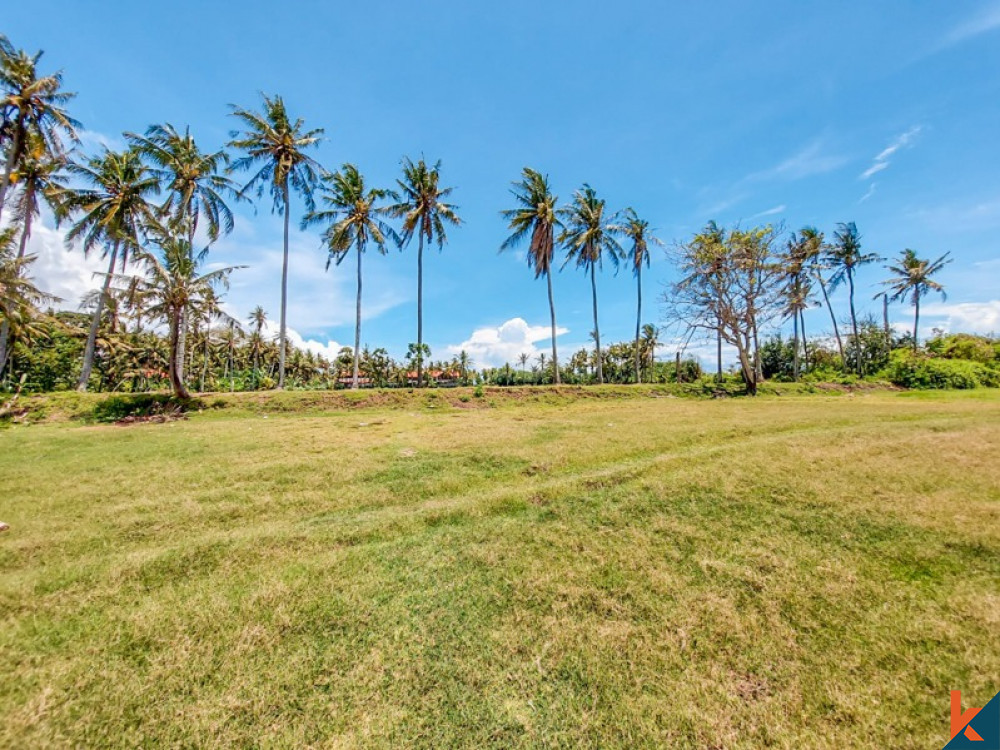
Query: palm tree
x=31 y=104
x=913 y=280
x=536 y=216
x=588 y=237
x=39 y=177
x=650 y=340
x=845 y=257
x=522 y=359
x=114 y=208
x=19 y=297
x=274 y=146
x=179 y=292
x=424 y=214
x=193 y=180
x=353 y=219
x=638 y=231
x=798 y=259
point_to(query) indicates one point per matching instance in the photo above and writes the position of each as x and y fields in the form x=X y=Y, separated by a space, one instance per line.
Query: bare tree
x=731 y=284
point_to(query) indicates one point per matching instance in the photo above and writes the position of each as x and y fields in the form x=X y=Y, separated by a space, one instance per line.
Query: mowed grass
x=802 y=571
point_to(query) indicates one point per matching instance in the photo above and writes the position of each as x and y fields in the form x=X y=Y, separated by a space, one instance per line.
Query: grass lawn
x=802 y=571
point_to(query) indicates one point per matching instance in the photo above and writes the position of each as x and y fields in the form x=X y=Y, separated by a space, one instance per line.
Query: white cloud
x=329 y=350
x=494 y=347
x=984 y=21
x=808 y=161
x=770 y=211
x=67 y=274
x=969 y=317
x=869 y=194
x=881 y=160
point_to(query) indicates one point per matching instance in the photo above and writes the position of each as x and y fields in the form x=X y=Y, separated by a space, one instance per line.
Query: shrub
x=965 y=346
x=914 y=370
x=478 y=392
x=118 y=407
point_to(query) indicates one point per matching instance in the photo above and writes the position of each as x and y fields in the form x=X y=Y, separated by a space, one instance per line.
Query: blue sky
x=886 y=114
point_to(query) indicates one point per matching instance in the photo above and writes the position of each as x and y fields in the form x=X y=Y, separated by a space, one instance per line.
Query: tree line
x=159 y=205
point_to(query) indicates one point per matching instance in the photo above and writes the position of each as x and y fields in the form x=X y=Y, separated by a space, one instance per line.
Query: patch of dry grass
x=794 y=572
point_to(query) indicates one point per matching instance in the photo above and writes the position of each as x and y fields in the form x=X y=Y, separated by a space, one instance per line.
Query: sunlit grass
x=801 y=571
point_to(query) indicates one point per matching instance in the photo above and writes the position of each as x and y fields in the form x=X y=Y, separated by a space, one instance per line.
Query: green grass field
x=795 y=571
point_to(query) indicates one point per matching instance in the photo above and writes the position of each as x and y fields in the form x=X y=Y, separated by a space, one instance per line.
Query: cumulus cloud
x=68 y=274
x=494 y=347
x=969 y=317
x=329 y=350
x=881 y=160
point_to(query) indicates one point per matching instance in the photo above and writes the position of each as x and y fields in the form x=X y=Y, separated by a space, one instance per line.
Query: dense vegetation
x=154 y=209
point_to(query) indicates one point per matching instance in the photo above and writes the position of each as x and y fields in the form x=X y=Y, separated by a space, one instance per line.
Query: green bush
x=915 y=370
x=965 y=346
x=115 y=408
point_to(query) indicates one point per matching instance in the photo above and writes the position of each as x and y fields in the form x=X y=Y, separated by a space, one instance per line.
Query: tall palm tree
x=588 y=237
x=114 y=207
x=913 y=280
x=845 y=256
x=38 y=175
x=638 y=231
x=274 y=145
x=195 y=185
x=352 y=215
x=425 y=214
x=179 y=292
x=19 y=297
x=32 y=103
x=536 y=218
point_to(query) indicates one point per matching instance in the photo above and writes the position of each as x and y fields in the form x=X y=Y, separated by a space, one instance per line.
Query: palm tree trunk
x=795 y=345
x=9 y=166
x=176 y=364
x=5 y=326
x=718 y=350
x=357 y=325
x=88 y=351
x=854 y=323
x=420 y=310
x=638 y=319
x=29 y=197
x=284 y=293
x=597 y=330
x=833 y=318
x=204 y=364
x=916 y=316
x=805 y=348
x=885 y=324
x=552 y=316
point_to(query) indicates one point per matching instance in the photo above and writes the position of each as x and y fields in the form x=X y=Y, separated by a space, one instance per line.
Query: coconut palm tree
x=845 y=257
x=194 y=182
x=536 y=218
x=913 y=280
x=637 y=230
x=19 y=297
x=650 y=340
x=39 y=176
x=274 y=145
x=32 y=103
x=352 y=215
x=799 y=256
x=809 y=250
x=588 y=237
x=179 y=292
x=114 y=207
x=425 y=214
